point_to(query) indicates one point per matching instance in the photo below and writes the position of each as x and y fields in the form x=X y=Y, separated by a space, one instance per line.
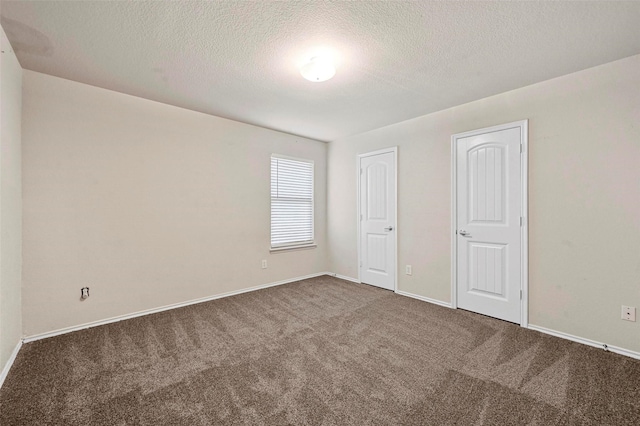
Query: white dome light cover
x=318 y=69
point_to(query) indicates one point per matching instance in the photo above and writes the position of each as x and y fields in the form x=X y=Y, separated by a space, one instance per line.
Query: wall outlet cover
x=629 y=313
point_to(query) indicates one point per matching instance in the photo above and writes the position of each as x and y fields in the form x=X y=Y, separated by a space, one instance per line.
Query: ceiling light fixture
x=318 y=69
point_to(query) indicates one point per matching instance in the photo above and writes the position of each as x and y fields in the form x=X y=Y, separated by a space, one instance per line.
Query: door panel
x=377 y=220
x=486 y=198
x=376 y=249
x=488 y=221
x=376 y=191
x=487 y=269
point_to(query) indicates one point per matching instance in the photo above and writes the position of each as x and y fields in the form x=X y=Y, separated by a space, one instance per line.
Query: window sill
x=291 y=248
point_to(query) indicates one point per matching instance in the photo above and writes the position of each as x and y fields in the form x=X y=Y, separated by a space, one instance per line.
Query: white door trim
x=394 y=150
x=524 y=209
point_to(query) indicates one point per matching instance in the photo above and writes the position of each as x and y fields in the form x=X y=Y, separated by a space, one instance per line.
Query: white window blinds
x=291 y=202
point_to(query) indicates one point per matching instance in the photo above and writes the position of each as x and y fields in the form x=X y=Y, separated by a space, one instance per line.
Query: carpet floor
x=317 y=352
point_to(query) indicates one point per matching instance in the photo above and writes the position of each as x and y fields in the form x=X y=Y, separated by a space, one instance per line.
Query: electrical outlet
x=408 y=270
x=264 y=264
x=629 y=313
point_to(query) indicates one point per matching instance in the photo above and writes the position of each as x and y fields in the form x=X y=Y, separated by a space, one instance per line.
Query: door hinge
x=360 y=171
x=360 y=217
x=521 y=221
x=521 y=147
x=361 y=263
x=520 y=294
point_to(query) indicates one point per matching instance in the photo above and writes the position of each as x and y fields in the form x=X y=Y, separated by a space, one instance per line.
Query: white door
x=489 y=189
x=378 y=219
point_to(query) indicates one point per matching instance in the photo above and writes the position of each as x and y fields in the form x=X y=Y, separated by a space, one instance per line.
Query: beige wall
x=10 y=201
x=584 y=195
x=151 y=205
x=146 y=203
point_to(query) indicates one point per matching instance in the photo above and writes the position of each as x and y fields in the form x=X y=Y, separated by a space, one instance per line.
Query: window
x=291 y=202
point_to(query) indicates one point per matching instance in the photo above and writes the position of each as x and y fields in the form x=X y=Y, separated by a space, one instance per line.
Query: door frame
x=523 y=125
x=394 y=150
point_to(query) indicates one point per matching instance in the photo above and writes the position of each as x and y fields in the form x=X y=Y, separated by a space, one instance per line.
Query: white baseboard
x=589 y=342
x=66 y=330
x=9 y=364
x=7 y=367
x=344 y=277
x=424 y=299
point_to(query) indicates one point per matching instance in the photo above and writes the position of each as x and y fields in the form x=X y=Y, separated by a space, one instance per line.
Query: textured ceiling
x=395 y=60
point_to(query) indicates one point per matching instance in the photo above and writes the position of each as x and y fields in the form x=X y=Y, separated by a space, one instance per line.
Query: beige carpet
x=320 y=352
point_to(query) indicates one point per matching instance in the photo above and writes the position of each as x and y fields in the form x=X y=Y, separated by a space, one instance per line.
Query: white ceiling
x=396 y=60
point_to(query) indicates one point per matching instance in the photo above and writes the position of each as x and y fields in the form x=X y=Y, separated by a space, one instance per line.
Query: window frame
x=293 y=245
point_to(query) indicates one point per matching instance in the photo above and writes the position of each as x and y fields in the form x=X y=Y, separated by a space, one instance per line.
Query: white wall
x=146 y=203
x=584 y=195
x=10 y=200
